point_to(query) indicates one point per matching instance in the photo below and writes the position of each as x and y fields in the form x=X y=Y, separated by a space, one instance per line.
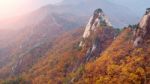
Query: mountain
x=123 y=61
x=22 y=33
x=61 y=64
x=50 y=19
x=142 y=31
x=138 y=8
x=95 y=36
x=120 y=16
x=81 y=9
x=30 y=36
x=49 y=45
x=120 y=61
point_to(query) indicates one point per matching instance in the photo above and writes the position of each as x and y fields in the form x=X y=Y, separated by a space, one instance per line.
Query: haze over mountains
x=47 y=46
x=68 y=15
x=116 y=13
x=137 y=6
x=106 y=56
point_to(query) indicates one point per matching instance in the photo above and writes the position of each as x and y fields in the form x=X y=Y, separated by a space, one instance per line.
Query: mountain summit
x=97 y=32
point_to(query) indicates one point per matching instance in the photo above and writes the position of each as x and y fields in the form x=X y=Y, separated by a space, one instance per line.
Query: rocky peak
x=97 y=19
x=98 y=33
x=143 y=30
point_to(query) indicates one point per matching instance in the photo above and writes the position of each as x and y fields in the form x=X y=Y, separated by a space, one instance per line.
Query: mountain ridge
x=55 y=49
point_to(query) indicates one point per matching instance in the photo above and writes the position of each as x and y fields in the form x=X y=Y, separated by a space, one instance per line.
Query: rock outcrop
x=98 y=33
x=98 y=18
x=143 y=30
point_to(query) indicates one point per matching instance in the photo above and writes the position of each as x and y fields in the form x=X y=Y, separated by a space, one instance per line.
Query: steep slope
x=41 y=57
x=98 y=34
x=58 y=61
x=122 y=62
x=41 y=25
x=30 y=44
x=65 y=64
x=28 y=37
x=44 y=17
x=142 y=32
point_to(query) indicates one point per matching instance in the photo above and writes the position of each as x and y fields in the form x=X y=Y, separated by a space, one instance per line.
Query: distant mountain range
x=137 y=8
x=79 y=9
x=118 y=14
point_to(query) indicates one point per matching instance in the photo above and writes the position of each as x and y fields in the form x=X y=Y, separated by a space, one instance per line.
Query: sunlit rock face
x=98 y=18
x=143 y=30
x=98 y=34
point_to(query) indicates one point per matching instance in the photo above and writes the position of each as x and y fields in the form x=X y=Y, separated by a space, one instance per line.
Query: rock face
x=143 y=31
x=95 y=21
x=98 y=33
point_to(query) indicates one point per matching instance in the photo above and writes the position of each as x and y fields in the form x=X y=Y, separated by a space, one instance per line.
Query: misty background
x=19 y=7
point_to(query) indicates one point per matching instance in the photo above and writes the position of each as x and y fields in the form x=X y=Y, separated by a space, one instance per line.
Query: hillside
x=61 y=63
x=121 y=61
x=66 y=62
x=125 y=61
x=30 y=36
x=51 y=47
